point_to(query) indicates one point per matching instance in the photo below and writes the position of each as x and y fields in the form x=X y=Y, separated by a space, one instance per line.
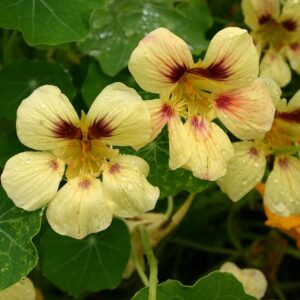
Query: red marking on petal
x=85 y=184
x=115 y=168
x=293 y=116
x=166 y=111
x=53 y=165
x=290 y=25
x=283 y=163
x=295 y=47
x=264 y=19
x=253 y=152
x=197 y=123
x=99 y=129
x=223 y=102
x=217 y=71
x=175 y=72
x=66 y=130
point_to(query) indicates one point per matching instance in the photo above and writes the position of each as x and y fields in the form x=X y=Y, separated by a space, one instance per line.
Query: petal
x=179 y=149
x=159 y=61
x=231 y=61
x=258 y=12
x=22 y=290
x=274 y=66
x=31 y=179
x=119 y=117
x=282 y=195
x=293 y=54
x=126 y=187
x=240 y=110
x=211 y=149
x=244 y=172
x=46 y=119
x=79 y=208
x=275 y=93
x=290 y=18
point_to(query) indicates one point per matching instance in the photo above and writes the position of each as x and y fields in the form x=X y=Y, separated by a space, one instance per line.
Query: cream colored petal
x=275 y=93
x=253 y=280
x=244 y=171
x=160 y=112
x=294 y=103
x=31 y=179
x=159 y=61
x=290 y=18
x=282 y=195
x=293 y=54
x=126 y=186
x=259 y=12
x=46 y=119
x=241 y=110
x=79 y=208
x=231 y=61
x=211 y=149
x=119 y=117
x=273 y=65
x=22 y=290
x=179 y=143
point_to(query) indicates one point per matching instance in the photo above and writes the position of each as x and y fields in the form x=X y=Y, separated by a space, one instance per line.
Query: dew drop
x=28 y=160
x=276 y=180
x=129 y=186
x=256 y=164
x=280 y=207
x=223 y=151
x=244 y=161
x=244 y=182
x=282 y=193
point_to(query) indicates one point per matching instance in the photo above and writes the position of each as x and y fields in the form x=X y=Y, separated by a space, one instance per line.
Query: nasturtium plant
x=18 y=255
x=143 y=145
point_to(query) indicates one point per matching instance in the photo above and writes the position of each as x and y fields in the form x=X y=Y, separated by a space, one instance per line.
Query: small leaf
x=169 y=182
x=20 y=78
x=18 y=255
x=49 y=22
x=91 y=264
x=118 y=27
x=216 y=285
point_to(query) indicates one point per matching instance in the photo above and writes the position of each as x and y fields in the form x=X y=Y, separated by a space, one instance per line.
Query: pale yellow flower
x=47 y=121
x=276 y=32
x=22 y=290
x=247 y=168
x=253 y=280
x=223 y=85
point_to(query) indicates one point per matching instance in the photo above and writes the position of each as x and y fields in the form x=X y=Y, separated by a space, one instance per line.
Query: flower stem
x=286 y=150
x=152 y=262
x=170 y=207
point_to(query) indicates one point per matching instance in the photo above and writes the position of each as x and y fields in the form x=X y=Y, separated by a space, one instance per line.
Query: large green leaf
x=169 y=182
x=91 y=264
x=48 y=22
x=18 y=255
x=118 y=27
x=20 y=78
x=215 y=286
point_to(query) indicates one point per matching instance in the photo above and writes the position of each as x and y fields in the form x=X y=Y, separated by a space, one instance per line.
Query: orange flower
x=288 y=225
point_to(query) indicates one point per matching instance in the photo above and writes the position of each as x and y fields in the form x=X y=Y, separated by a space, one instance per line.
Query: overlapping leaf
x=18 y=255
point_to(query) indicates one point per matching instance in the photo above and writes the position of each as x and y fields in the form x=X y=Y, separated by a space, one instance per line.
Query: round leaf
x=216 y=285
x=92 y=264
x=18 y=255
x=48 y=22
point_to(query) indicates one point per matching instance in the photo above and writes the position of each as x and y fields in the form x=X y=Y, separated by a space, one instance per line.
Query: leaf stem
x=152 y=262
x=279 y=293
x=170 y=207
x=201 y=247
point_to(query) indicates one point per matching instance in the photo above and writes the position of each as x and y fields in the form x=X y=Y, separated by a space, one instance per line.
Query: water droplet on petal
x=280 y=207
x=129 y=186
x=256 y=164
x=244 y=182
x=276 y=180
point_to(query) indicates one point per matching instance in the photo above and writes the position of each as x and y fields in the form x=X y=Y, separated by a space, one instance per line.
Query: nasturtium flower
x=247 y=168
x=101 y=182
x=223 y=85
x=22 y=290
x=253 y=280
x=276 y=33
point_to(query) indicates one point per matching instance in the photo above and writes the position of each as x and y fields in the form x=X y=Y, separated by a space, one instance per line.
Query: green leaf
x=20 y=78
x=48 y=22
x=18 y=255
x=169 y=182
x=216 y=285
x=118 y=27
x=91 y=264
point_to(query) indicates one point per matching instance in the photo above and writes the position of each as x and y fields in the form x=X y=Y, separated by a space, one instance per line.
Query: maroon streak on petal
x=166 y=111
x=290 y=25
x=66 y=130
x=293 y=116
x=175 y=72
x=253 y=152
x=53 y=165
x=99 y=129
x=283 y=163
x=85 y=184
x=295 y=47
x=264 y=19
x=115 y=168
x=223 y=102
x=197 y=123
x=217 y=71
